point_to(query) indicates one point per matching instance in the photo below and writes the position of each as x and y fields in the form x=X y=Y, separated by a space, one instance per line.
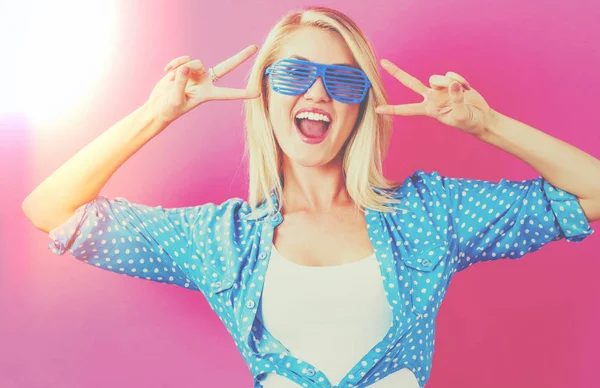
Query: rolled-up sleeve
x=506 y=219
x=141 y=241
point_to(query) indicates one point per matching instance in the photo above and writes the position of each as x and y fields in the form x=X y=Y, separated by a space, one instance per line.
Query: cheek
x=350 y=115
x=280 y=109
x=279 y=100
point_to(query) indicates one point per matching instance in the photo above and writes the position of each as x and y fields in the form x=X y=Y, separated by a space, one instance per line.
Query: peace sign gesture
x=450 y=99
x=187 y=85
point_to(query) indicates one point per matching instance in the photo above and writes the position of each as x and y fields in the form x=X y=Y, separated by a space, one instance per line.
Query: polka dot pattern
x=445 y=225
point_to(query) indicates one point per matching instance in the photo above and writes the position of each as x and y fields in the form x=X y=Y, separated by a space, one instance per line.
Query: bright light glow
x=54 y=53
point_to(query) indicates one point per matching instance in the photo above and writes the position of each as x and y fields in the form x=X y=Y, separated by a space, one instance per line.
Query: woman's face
x=307 y=142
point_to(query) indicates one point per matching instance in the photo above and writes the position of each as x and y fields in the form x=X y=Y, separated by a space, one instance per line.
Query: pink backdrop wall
x=531 y=322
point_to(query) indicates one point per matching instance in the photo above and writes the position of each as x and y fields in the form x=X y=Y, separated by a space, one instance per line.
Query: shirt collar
x=263 y=210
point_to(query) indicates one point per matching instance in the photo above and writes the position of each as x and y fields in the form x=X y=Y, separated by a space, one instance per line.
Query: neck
x=314 y=189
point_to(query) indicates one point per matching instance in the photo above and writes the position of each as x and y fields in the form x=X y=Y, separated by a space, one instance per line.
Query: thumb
x=181 y=79
x=456 y=93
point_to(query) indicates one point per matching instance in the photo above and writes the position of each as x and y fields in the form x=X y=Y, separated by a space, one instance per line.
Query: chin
x=310 y=158
x=306 y=160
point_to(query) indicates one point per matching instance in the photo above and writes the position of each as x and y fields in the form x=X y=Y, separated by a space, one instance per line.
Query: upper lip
x=313 y=110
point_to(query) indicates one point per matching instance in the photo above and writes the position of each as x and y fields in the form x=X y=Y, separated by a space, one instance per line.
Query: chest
x=323 y=240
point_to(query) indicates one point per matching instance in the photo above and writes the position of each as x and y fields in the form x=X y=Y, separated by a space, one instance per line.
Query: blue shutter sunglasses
x=294 y=76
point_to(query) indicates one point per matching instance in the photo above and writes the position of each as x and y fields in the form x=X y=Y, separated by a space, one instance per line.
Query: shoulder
x=210 y=213
x=237 y=204
x=420 y=183
x=236 y=208
x=420 y=193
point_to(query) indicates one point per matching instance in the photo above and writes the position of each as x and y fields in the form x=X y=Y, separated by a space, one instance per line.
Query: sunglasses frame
x=320 y=71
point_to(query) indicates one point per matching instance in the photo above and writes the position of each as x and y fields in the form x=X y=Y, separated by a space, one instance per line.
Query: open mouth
x=312 y=128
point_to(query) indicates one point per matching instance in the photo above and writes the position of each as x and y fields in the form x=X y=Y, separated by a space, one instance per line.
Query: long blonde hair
x=367 y=145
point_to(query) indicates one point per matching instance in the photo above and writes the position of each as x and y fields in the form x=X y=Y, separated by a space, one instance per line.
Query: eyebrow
x=339 y=64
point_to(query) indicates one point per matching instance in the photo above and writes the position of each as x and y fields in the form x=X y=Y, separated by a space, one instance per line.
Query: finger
x=438 y=82
x=405 y=78
x=229 y=64
x=176 y=62
x=402 y=110
x=457 y=96
x=181 y=79
x=196 y=68
x=459 y=78
x=233 y=94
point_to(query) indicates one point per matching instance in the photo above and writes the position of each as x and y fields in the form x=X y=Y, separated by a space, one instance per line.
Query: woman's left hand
x=450 y=99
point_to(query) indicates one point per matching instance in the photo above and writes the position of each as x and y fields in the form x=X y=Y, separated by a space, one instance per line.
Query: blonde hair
x=367 y=145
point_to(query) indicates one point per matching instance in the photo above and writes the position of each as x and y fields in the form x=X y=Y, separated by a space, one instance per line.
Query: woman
x=329 y=275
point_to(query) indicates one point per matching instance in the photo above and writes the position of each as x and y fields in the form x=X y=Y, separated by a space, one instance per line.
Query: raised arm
x=79 y=180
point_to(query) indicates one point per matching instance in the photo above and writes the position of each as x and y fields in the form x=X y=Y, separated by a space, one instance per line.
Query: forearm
x=80 y=179
x=560 y=163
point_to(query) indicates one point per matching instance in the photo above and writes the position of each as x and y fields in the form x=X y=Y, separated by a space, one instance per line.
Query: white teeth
x=312 y=116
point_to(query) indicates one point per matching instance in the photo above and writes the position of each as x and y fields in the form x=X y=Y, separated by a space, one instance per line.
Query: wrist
x=149 y=119
x=492 y=124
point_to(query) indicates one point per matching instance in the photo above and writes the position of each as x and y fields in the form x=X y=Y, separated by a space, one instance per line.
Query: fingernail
x=185 y=70
x=456 y=87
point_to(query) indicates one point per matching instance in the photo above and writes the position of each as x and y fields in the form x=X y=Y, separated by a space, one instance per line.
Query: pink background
x=531 y=322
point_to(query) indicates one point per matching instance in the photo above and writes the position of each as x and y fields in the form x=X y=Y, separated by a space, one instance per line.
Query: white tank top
x=328 y=316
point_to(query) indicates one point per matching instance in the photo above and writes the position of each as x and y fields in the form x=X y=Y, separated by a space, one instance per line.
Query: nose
x=317 y=91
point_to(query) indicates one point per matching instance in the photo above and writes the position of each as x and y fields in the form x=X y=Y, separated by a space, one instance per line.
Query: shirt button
x=217 y=284
x=250 y=304
x=426 y=263
x=276 y=218
x=310 y=372
x=262 y=255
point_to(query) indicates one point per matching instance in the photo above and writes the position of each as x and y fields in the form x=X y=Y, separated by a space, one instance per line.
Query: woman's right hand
x=187 y=85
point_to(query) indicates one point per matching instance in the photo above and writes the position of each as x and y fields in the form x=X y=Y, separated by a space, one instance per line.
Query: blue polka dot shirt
x=445 y=226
